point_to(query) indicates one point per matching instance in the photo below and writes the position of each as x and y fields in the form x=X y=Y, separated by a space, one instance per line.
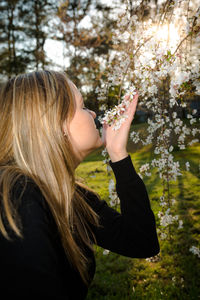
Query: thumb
x=132 y=107
x=103 y=138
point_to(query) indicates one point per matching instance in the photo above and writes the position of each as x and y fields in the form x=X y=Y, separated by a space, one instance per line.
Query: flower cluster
x=117 y=115
x=167 y=219
x=154 y=258
x=144 y=169
x=178 y=281
x=160 y=57
x=112 y=193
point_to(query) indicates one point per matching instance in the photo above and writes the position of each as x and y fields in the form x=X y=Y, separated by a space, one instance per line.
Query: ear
x=64 y=128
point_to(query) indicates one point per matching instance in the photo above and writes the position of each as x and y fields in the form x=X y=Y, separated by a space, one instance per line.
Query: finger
x=133 y=104
x=132 y=109
x=135 y=97
x=127 y=96
x=105 y=126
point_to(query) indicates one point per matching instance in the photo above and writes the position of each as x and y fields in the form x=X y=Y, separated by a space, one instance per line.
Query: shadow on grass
x=112 y=280
x=186 y=261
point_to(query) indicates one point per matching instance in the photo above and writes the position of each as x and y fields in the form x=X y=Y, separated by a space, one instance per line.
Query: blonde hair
x=33 y=109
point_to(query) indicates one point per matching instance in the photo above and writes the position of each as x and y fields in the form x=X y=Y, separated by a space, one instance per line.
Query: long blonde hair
x=33 y=109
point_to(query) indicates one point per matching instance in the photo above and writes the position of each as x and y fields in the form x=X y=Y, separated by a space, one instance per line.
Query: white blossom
x=187 y=165
x=194 y=111
x=173 y=201
x=135 y=137
x=144 y=167
x=104 y=152
x=193 y=142
x=163 y=235
x=192 y=121
x=106 y=252
x=195 y=131
x=180 y=225
x=195 y=250
x=109 y=168
x=117 y=115
x=166 y=219
x=113 y=194
x=140 y=175
x=181 y=147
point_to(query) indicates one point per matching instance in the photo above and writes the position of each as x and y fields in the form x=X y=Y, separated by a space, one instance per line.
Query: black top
x=36 y=266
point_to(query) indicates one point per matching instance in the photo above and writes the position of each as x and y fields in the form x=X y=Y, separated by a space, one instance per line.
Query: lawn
x=176 y=272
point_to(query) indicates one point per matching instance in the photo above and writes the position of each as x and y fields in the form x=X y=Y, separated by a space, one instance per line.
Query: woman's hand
x=115 y=141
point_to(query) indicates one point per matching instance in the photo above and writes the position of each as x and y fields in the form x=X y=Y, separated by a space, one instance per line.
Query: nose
x=93 y=114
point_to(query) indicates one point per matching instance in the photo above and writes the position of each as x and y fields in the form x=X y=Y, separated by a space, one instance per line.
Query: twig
x=127 y=67
x=182 y=42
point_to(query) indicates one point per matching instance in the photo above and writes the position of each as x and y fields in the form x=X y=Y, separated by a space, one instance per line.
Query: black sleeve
x=133 y=232
x=30 y=264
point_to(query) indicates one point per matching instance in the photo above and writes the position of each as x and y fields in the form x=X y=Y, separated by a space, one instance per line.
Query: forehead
x=77 y=94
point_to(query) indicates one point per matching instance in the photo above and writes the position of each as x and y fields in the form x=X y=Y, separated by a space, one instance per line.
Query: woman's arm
x=133 y=232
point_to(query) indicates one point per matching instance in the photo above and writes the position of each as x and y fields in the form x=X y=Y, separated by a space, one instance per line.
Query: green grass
x=176 y=273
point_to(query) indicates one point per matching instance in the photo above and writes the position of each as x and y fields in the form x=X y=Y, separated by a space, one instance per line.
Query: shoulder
x=35 y=258
x=25 y=192
x=30 y=205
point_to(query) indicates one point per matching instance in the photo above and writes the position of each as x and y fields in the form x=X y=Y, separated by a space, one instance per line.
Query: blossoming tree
x=157 y=53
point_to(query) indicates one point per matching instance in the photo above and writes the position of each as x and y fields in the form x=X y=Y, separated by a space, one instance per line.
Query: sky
x=54 y=51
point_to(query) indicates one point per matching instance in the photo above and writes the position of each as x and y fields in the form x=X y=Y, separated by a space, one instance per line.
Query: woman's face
x=82 y=129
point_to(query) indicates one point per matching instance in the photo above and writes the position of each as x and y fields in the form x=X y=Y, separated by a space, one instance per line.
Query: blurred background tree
x=84 y=27
x=23 y=32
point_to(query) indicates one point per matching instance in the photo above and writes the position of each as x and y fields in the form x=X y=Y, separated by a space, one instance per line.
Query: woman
x=49 y=221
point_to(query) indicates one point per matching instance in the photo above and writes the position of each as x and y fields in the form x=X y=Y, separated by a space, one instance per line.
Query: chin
x=99 y=143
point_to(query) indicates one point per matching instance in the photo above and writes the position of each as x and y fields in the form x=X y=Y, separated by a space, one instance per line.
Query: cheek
x=84 y=136
x=77 y=123
x=84 y=124
x=82 y=129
